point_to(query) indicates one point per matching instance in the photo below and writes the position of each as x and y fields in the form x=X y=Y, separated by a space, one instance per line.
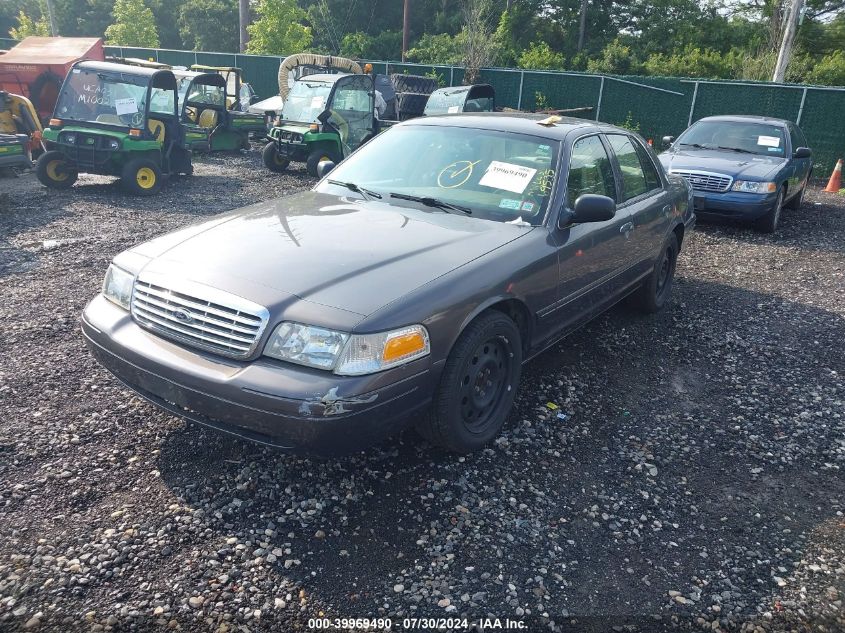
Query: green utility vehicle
x=212 y=117
x=116 y=120
x=239 y=93
x=324 y=117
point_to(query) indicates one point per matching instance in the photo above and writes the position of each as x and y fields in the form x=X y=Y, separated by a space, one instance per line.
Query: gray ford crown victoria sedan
x=408 y=286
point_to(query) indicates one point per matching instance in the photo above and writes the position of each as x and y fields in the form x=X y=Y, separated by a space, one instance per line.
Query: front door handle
x=626 y=228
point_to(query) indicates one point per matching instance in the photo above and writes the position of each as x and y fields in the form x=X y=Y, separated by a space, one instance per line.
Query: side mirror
x=802 y=152
x=590 y=207
x=324 y=167
x=667 y=140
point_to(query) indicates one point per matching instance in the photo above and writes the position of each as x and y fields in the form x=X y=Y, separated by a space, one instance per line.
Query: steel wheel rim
x=483 y=384
x=664 y=274
x=53 y=171
x=145 y=178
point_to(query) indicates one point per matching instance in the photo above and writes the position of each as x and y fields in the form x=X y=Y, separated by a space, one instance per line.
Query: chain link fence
x=653 y=106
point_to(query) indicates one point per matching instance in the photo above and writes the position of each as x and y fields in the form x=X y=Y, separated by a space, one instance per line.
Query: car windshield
x=452 y=101
x=108 y=98
x=740 y=136
x=306 y=100
x=494 y=175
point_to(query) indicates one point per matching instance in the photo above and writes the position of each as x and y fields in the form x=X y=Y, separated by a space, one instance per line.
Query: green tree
x=209 y=25
x=28 y=26
x=829 y=70
x=616 y=58
x=134 y=25
x=541 y=57
x=693 y=62
x=438 y=49
x=360 y=45
x=279 y=29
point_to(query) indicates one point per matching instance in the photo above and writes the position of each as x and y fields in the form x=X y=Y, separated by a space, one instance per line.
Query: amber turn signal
x=56 y=123
x=402 y=346
x=134 y=132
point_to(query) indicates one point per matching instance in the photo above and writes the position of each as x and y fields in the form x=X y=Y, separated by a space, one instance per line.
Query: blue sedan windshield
x=740 y=136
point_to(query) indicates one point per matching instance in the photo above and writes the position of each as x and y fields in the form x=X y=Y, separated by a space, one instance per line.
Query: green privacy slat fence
x=655 y=106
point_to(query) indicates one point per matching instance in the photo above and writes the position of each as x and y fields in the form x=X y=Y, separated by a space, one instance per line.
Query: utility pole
x=582 y=25
x=406 y=28
x=789 y=32
x=243 y=19
x=53 y=30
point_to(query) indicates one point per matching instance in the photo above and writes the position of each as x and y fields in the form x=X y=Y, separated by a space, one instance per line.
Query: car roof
x=517 y=122
x=112 y=67
x=738 y=118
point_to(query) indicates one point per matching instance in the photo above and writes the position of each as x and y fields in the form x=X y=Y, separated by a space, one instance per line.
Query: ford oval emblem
x=182 y=315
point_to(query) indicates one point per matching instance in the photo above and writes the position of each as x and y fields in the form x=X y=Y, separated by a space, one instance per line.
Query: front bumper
x=291 y=408
x=733 y=204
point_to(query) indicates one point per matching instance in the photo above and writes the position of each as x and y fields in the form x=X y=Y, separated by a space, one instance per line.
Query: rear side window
x=589 y=171
x=652 y=179
x=638 y=176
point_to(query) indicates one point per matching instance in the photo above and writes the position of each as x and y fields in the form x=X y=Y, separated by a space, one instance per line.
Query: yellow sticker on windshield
x=544 y=181
x=456 y=174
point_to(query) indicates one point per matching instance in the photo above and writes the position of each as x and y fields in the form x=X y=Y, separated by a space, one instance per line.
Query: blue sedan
x=742 y=167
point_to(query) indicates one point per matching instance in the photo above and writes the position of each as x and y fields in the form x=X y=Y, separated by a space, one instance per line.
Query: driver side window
x=589 y=171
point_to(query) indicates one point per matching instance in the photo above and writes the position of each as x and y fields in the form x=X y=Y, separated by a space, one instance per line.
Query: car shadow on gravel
x=675 y=464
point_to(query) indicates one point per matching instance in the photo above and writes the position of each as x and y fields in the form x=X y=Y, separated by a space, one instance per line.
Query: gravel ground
x=683 y=470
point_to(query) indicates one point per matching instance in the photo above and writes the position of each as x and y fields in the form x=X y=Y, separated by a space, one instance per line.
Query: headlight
x=70 y=139
x=117 y=286
x=306 y=345
x=748 y=186
x=114 y=143
x=369 y=353
x=347 y=355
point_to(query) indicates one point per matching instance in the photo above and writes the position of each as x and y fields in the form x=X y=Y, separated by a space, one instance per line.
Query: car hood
x=733 y=164
x=337 y=251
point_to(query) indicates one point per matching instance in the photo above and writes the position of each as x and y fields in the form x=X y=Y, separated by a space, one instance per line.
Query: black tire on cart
x=54 y=170
x=272 y=160
x=316 y=157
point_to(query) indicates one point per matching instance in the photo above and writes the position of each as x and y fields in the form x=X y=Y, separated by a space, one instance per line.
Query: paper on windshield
x=125 y=106
x=768 y=141
x=316 y=102
x=507 y=176
x=453 y=109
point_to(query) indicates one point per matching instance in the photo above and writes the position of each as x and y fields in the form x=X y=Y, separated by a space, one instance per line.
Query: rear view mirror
x=802 y=152
x=324 y=167
x=590 y=207
x=667 y=140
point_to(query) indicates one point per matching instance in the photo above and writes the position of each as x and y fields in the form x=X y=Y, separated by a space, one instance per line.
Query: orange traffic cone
x=835 y=182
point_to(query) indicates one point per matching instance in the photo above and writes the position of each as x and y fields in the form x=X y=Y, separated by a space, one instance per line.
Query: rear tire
x=141 y=177
x=314 y=159
x=55 y=171
x=272 y=160
x=769 y=222
x=655 y=292
x=477 y=387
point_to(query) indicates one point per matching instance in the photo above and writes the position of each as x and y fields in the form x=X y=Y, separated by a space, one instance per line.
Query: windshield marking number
x=458 y=168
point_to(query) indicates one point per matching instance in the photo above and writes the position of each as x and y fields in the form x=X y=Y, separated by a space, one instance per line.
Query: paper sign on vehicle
x=454 y=109
x=768 y=141
x=125 y=106
x=507 y=176
x=316 y=102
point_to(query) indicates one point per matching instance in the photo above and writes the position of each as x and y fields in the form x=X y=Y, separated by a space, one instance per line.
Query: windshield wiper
x=695 y=145
x=353 y=187
x=737 y=149
x=432 y=202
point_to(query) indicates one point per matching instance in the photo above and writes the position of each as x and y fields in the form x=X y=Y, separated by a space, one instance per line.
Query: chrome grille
x=705 y=181
x=198 y=316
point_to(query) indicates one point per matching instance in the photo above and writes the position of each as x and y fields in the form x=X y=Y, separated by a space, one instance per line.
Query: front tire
x=655 y=292
x=769 y=222
x=477 y=387
x=316 y=157
x=53 y=170
x=272 y=160
x=141 y=177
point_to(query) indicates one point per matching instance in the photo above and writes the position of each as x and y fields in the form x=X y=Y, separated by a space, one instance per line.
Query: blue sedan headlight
x=749 y=186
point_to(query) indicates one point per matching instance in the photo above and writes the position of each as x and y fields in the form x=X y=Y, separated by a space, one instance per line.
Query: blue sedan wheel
x=769 y=222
